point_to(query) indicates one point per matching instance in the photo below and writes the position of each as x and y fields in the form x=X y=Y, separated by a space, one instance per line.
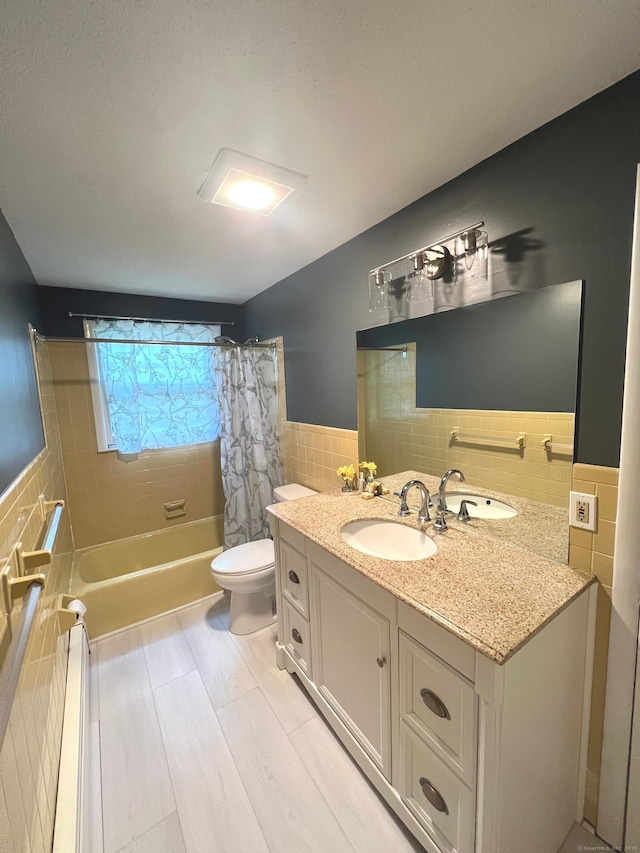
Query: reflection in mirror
x=489 y=389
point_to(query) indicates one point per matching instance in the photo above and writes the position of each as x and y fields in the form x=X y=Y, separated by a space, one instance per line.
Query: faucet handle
x=463 y=512
x=440 y=524
x=404 y=510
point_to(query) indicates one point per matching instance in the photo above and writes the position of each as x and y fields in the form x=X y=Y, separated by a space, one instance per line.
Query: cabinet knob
x=293 y=577
x=433 y=795
x=296 y=635
x=435 y=704
x=381 y=662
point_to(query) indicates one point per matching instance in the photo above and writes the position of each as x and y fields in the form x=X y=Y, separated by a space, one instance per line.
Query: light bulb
x=251 y=194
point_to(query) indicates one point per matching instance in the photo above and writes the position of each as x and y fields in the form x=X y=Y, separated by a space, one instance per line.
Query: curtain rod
x=59 y=340
x=152 y=319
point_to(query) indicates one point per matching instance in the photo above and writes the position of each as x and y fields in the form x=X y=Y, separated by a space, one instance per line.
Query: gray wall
x=21 y=435
x=558 y=206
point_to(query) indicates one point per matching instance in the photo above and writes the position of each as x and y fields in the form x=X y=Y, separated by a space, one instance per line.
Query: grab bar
x=10 y=673
x=519 y=441
x=554 y=447
x=52 y=530
x=42 y=556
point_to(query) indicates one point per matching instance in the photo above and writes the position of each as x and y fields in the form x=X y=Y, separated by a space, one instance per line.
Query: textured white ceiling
x=113 y=111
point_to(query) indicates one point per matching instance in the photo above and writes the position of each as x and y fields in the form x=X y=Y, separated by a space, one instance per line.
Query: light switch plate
x=583 y=511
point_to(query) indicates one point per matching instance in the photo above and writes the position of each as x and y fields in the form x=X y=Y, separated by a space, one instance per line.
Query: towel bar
x=519 y=441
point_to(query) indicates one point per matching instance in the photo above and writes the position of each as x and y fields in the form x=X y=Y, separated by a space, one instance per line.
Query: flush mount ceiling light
x=246 y=183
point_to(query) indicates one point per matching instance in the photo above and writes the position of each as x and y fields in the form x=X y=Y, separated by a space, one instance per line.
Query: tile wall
x=29 y=758
x=310 y=454
x=399 y=436
x=113 y=497
x=593 y=553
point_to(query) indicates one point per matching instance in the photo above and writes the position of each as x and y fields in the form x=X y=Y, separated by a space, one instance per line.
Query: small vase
x=370 y=477
x=348 y=486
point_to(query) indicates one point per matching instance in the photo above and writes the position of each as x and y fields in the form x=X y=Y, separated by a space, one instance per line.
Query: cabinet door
x=353 y=674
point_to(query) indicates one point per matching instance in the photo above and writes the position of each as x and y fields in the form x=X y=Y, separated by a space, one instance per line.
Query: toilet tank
x=291 y=491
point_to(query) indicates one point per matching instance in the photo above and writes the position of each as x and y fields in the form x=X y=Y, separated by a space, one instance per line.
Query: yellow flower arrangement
x=347 y=472
x=371 y=467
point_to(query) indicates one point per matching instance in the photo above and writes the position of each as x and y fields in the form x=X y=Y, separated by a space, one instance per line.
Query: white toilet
x=248 y=572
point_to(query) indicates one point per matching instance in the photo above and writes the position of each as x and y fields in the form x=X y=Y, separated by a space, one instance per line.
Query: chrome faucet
x=442 y=502
x=423 y=514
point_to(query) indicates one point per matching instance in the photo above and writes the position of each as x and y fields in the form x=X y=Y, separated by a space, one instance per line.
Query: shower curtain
x=249 y=442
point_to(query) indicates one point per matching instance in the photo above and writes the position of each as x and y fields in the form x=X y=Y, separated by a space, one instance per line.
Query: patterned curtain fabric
x=158 y=396
x=249 y=443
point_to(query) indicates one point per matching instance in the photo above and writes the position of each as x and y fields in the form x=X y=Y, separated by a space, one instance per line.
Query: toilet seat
x=245 y=559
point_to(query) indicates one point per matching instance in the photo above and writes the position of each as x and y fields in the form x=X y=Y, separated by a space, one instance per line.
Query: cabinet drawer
x=297 y=637
x=435 y=795
x=439 y=705
x=291 y=536
x=457 y=653
x=294 y=577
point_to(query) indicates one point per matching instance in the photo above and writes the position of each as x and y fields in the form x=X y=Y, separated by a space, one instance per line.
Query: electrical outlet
x=583 y=510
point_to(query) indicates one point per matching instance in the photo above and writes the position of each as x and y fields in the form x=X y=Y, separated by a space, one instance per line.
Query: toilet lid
x=250 y=557
x=291 y=491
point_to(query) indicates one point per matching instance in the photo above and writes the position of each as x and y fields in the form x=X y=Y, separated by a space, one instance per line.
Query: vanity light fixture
x=246 y=183
x=470 y=247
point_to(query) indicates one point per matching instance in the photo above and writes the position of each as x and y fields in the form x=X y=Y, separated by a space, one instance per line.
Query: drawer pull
x=435 y=704
x=297 y=636
x=433 y=795
x=293 y=577
x=381 y=662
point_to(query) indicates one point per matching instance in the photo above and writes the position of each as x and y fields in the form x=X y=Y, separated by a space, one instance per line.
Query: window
x=147 y=397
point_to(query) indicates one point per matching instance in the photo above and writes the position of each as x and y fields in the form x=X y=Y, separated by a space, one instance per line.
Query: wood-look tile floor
x=580 y=840
x=198 y=743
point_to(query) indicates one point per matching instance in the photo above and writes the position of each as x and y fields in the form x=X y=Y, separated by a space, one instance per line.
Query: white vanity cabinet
x=473 y=756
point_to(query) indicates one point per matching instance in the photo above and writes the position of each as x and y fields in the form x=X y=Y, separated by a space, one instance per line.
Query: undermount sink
x=388 y=540
x=486 y=507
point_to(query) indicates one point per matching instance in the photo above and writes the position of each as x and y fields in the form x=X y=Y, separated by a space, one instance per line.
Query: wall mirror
x=490 y=389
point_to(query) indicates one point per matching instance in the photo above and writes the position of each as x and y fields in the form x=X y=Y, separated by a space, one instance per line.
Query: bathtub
x=129 y=580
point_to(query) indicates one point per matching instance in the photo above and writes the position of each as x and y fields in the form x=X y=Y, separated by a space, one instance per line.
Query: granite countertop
x=492 y=594
x=538 y=527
